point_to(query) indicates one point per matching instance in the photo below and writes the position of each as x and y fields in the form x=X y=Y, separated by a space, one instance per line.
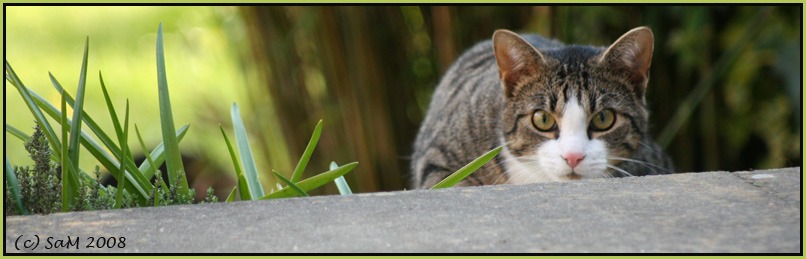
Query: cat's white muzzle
x=572 y=156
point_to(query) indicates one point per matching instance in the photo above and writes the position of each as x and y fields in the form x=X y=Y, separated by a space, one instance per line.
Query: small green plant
x=38 y=190
x=210 y=198
x=249 y=186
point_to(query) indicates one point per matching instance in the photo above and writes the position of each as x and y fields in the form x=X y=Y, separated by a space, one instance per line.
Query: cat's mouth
x=574 y=176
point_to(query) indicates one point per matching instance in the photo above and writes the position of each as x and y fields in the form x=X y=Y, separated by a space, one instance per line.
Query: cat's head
x=572 y=112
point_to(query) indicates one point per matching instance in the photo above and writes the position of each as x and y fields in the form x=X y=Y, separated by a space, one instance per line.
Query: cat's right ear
x=517 y=60
x=631 y=56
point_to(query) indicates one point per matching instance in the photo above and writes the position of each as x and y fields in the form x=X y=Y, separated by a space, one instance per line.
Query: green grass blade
x=14 y=186
x=110 y=107
x=312 y=183
x=145 y=149
x=156 y=198
x=247 y=159
x=70 y=177
x=341 y=183
x=17 y=133
x=242 y=182
x=291 y=184
x=173 y=156
x=159 y=153
x=344 y=188
x=303 y=161
x=67 y=194
x=102 y=136
x=231 y=196
x=121 y=172
x=243 y=188
x=463 y=172
x=75 y=128
x=40 y=118
x=151 y=170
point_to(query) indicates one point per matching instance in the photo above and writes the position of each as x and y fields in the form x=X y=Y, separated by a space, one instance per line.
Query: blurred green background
x=724 y=94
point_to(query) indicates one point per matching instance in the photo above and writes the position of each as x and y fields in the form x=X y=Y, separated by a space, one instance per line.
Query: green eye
x=543 y=121
x=603 y=120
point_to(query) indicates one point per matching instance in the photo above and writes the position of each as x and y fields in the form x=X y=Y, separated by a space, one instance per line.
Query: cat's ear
x=631 y=55
x=517 y=60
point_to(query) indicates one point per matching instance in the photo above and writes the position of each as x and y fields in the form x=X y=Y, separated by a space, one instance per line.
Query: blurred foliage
x=369 y=73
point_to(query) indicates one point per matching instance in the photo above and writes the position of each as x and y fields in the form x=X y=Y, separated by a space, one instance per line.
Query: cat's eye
x=603 y=120
x=543 y=121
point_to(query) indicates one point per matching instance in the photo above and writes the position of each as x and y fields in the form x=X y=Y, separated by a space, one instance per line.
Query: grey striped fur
x=471 y=113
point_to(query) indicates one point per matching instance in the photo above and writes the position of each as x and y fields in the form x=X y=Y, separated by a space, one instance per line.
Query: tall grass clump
x=250 y=188
x=61 y=175
x=56 y=183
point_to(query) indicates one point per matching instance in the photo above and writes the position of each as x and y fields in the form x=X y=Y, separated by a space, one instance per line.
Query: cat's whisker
x=498 y=178
x=532 y=163
x=650 y=165
x=619 y=169
x=645 y=145
x=529 y=158
x=534 y=177
x=650 y=148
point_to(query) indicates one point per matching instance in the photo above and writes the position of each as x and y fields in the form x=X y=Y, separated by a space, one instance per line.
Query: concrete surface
x=722 y=212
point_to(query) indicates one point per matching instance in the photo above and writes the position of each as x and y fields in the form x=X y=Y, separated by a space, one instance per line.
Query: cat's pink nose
x=573 y=159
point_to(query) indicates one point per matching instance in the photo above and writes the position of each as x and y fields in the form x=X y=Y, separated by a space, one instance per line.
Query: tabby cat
x=561 y=113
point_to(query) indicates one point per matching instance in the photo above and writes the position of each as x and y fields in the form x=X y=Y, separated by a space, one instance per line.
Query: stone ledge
x=721 y=212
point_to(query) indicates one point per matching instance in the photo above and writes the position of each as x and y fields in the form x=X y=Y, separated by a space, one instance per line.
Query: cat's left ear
x=518 y=61
x=631 y=56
